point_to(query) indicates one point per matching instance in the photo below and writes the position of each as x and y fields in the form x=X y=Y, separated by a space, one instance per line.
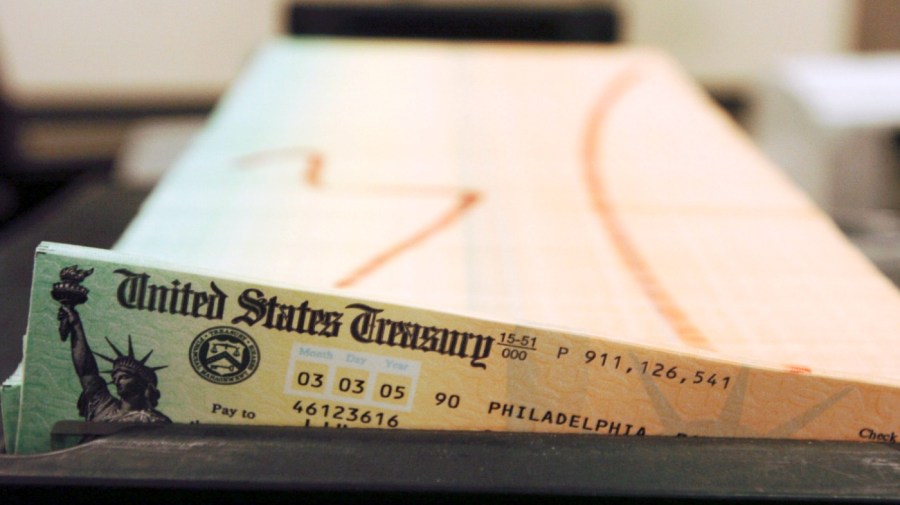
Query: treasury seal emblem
x=224 y=355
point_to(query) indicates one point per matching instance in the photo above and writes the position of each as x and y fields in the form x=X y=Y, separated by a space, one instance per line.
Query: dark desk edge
x=201 y=458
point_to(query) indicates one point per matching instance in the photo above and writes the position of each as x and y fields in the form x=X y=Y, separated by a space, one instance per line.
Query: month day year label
x=353 y=377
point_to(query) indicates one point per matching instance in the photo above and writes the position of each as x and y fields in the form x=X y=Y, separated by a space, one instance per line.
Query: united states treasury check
x=118 y=338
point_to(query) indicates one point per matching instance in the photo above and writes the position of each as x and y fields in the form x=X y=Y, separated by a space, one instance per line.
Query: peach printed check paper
x=462 y=236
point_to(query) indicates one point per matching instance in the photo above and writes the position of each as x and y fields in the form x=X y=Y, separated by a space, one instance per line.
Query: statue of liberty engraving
x=136 y=383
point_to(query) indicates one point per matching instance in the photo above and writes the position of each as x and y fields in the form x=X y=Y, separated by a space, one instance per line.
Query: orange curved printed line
x=314 y=169
x=625 y=247
x=466 y=201
x=312 y=176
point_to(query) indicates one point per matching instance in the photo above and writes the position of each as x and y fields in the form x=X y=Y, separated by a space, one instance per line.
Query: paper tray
x=235 y=463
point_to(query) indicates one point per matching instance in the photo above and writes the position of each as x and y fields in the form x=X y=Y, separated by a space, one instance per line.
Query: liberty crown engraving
x=128 y=363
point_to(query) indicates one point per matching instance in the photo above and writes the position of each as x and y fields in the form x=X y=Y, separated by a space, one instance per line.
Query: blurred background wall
x=59 y=51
